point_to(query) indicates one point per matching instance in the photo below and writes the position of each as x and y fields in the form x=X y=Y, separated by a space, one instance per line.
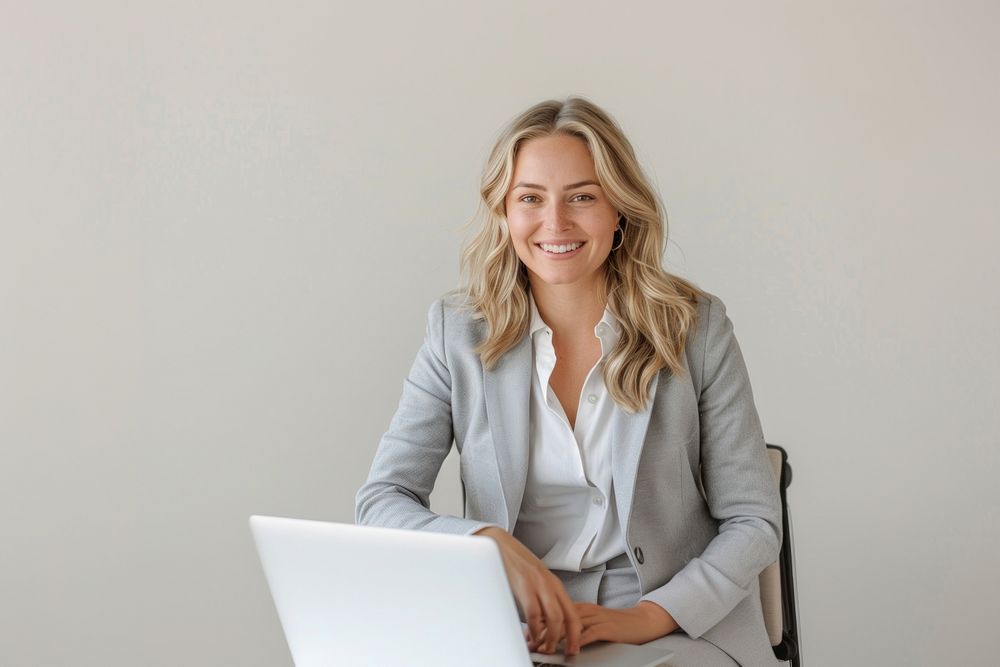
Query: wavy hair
x=655 y=309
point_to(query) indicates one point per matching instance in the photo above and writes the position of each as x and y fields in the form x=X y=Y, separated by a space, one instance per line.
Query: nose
x=556 y=218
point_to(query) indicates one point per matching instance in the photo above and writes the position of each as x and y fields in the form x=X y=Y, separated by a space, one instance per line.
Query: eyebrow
x=568 y=187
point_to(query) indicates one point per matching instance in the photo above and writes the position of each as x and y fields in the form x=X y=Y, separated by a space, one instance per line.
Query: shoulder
x=710 y=332
x=706 y=308
x=711 y=310
x=451 y=319
x=711 y=313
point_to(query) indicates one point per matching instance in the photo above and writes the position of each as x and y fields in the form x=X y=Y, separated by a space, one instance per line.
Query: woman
x=601 y=407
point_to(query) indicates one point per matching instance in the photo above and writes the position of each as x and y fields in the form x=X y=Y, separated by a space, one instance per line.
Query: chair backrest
x=777 y=581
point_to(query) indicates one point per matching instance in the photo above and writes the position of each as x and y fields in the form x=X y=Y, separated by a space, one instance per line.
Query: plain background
x=223 y=224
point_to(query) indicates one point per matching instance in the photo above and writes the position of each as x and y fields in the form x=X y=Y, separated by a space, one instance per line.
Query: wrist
x=492 y=531
x=659 y=619
x=488 y=531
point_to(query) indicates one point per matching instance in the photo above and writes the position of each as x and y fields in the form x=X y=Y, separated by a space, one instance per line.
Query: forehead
x=556 y=158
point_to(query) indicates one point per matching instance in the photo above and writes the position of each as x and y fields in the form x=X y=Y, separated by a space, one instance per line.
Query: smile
x=560 y=251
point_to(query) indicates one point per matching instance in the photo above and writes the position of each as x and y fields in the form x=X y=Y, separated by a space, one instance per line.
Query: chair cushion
x=770 y=578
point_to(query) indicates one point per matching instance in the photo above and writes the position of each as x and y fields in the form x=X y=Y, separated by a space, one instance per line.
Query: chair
x=777 y=581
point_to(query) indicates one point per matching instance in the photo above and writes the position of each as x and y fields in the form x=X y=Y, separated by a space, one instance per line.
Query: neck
x=569 y=308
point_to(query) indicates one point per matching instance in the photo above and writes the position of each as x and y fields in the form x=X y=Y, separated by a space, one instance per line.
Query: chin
x=558 y=277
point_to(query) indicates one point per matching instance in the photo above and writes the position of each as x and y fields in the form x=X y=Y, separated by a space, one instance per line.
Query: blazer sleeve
x=409 y=455
x=739 y=487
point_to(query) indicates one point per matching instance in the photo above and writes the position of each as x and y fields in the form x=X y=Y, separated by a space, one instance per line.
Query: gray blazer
x=700 y=511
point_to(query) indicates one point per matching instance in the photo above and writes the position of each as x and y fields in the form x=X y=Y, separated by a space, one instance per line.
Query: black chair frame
x=790 y=647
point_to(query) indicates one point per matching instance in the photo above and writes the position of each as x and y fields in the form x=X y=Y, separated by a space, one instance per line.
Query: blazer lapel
x=508 y=392
x=628 y=434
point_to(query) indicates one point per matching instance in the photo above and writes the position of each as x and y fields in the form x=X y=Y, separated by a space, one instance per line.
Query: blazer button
x=638 y=556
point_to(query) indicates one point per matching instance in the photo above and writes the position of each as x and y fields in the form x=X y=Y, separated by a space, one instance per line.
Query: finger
x=533 y=616
x=589 y=614
x=589 y=617
x=594 y=633
x=574 y=626
x=554 y=619
x=534 y=641
x=554 y=611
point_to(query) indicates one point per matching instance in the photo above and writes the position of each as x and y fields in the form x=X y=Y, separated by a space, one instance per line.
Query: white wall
x=221 y=225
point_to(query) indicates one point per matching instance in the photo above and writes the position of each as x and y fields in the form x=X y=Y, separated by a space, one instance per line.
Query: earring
x=619 y=229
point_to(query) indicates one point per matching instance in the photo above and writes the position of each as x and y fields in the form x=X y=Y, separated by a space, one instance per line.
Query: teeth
x=559 y=248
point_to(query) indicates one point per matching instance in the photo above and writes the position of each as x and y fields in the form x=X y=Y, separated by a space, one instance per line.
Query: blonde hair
x=655 y=309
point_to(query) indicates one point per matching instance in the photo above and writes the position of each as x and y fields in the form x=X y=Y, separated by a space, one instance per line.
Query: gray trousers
x=616 y=585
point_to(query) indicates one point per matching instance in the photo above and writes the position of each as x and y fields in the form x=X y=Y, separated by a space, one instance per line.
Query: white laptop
x=358 y=595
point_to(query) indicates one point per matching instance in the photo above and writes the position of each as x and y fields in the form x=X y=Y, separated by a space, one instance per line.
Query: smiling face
x=555 y=199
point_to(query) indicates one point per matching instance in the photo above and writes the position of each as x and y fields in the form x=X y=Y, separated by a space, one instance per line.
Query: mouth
x=567 y=250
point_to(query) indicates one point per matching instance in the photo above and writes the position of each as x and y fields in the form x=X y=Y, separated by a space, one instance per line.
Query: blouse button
x=592 y=398
x=638 y=556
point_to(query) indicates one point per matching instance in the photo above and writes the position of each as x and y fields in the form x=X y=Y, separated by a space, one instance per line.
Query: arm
x=407 y=462
x=739 y=487
x=409 y=455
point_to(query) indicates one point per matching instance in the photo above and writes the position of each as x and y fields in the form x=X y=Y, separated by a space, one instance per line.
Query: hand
x=547 y=608
x=642 y=623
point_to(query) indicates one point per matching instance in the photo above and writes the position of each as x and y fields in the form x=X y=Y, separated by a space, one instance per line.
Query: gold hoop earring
x=620 y=243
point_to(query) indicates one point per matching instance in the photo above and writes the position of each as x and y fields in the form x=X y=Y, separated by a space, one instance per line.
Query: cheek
x=521 y=246
x=519 y=230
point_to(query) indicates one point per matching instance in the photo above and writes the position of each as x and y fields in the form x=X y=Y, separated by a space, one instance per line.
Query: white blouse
x=568 y=516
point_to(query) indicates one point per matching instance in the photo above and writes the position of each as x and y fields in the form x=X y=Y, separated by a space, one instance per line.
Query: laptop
x=361 y=595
